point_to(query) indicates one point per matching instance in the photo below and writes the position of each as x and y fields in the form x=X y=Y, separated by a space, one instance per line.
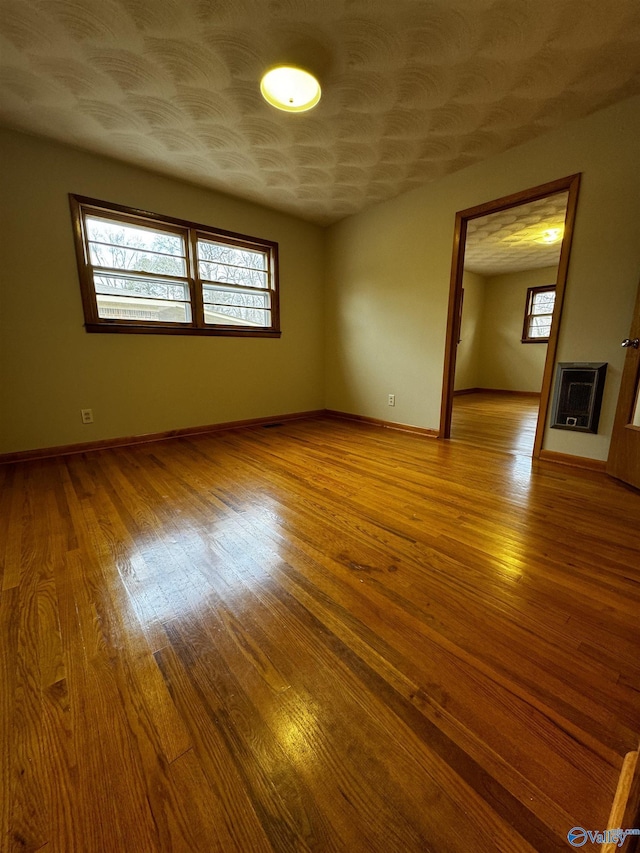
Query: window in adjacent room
x=141 y=272
x=538 y=314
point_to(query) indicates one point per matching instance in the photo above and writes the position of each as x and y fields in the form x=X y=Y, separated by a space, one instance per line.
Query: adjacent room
x=319 y=426
x=511 y=263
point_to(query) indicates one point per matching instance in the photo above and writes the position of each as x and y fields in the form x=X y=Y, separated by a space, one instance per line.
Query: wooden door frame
x=624 y=435
x=570 y=184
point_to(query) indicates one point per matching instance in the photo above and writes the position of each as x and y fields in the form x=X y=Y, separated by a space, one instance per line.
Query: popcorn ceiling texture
x=508 y=241
x=413 y=89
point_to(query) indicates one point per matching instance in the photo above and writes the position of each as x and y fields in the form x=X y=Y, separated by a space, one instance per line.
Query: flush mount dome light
x=291 y=89
x=551 y=235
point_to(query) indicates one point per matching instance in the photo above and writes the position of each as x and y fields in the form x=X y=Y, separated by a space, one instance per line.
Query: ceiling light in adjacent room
x=551 y=235
x=291 y=89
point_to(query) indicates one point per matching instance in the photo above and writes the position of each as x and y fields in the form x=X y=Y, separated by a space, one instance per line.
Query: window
x=140 y=272
x=538 y=314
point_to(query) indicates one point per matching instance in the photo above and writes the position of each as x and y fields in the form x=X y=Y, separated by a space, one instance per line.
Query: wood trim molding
x=573 y=187
x=573 y=461
x=625 y=809
x=346 y=416
x=623 y=462
x=571 y=184
x=189 y=232
x=103 y=444
x=496 y=391
x=528 y=313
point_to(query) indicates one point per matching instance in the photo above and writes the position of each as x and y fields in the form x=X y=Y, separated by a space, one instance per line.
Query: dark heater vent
x=578 y=396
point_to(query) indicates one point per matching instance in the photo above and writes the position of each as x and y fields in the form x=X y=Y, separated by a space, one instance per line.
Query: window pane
x=540 y=327
x=144 y=310
x=140 y=270
x=239 y=298
x=233 y=275
x=121 y=258
x=134 y=236
x=132 y=286
x=543 y=302
x=232 y=255
x=235 y=315
x=541 y=322
x=245 y=308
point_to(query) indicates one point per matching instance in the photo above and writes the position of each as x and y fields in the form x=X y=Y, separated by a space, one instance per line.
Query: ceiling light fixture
x=551 y=235
x=291 y=89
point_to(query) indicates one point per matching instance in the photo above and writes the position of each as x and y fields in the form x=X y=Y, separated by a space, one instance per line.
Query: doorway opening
x=510 y=260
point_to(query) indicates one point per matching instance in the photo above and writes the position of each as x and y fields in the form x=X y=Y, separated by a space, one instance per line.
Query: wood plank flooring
x=505 y=422
x=323 y=636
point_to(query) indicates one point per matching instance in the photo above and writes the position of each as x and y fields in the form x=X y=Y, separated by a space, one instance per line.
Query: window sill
x=140 y=329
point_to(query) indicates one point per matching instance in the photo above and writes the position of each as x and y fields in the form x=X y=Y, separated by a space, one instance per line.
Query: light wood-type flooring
x=321 y=636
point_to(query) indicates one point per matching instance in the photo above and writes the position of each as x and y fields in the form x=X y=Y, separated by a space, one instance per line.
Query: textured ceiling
x=511 y=240
x=413 y=89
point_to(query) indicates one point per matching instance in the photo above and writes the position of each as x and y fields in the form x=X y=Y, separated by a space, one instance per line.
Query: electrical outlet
x=392 y=399
x=87 y=416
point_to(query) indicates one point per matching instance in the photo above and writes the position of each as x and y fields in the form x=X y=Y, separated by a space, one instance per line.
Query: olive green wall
x=364 y=304
x=50 y=367
x=468 y=356
x=389 y=269
x=505 y=362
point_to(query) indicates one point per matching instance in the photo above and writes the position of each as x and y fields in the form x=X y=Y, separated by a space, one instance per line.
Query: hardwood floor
x=321 y=636
x=505 y=422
